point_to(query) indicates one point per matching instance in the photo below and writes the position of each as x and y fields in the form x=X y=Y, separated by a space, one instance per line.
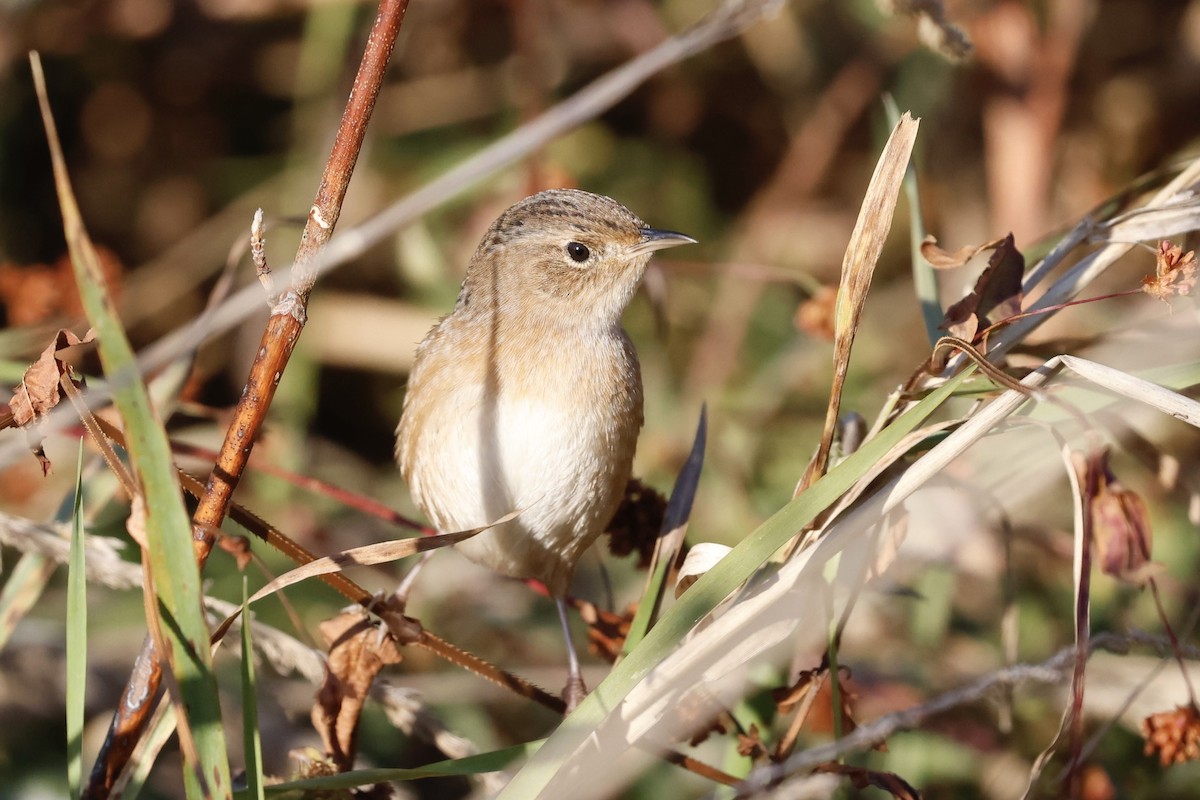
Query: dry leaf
x=997 y=294
x=135 y=523
x=871 y=228
x=944 y=259
x=39 y=391
x=786 y=699
x=357 y=652
x=636 y=524
x=1120 y=525
x=750 y=744
x=1174 y=272
x=720 y=725
x=700 y=559
x=1174 y=735
x=606 y=630
x=961 y=321
x=236 y=546
x=815 y=315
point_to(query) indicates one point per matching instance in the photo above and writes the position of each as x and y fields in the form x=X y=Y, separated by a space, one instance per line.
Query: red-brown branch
x=282 y=331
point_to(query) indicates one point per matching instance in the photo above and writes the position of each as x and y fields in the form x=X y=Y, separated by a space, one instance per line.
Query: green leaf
x=253 y=743
x=76 y=638
x=924 y=275
x=168 y=528
x=679 y=508
x=468 y=765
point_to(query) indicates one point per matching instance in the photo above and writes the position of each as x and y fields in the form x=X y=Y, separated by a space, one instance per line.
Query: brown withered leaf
x=635 y=526
x=1174 y=272
x=1174 y=735
x=606 y=630
x=750 y=744
x=997 y=294
x=357 y=652
x=944 y=259
x=236 y=546
x=861 y=778
x=135 y=523
x=39 y=391
x=961 y=321
x=815 y=315
x=721 y=724
x=788 y=697
x=847 y=695
x=1120 y=525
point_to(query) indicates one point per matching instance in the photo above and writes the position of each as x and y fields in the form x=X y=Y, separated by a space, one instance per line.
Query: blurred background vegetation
x=178 y=119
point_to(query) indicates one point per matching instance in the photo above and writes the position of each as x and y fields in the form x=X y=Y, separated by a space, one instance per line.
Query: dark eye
x=578 y=252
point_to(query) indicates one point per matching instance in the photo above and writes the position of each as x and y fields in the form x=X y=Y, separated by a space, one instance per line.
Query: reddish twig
x=347 y=498
x=282 y=331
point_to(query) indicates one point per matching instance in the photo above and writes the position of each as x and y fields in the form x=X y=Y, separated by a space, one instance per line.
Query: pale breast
x=549 y=431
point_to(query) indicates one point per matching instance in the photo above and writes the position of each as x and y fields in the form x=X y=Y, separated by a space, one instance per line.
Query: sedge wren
x=528 y=396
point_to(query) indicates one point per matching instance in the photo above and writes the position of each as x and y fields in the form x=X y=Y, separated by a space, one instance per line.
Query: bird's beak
x=654 y=239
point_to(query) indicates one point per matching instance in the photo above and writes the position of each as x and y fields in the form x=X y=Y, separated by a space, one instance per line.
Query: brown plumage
x=529 y=395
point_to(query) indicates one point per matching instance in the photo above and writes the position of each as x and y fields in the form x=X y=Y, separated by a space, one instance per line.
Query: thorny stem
x=282 y=331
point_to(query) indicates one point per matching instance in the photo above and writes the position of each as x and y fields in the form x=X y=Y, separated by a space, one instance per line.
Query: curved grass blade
x=670 y=539
x=469 y=765
x=169 y=530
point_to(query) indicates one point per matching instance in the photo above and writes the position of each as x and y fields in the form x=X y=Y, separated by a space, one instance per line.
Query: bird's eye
x=578 y=252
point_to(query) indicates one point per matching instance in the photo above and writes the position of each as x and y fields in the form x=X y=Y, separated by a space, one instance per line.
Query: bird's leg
x=574 y=691
x=400 y=596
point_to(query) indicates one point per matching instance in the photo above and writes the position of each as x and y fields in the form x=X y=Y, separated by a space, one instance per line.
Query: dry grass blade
x=379 y=553
x=862 y=254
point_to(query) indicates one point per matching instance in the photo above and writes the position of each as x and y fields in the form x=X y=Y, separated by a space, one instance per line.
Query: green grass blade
x=168 y=528
x=76 y=638
x=713 y=587
x=468 y=765
x=679 y=508
x=924 y=275
x=252 y=741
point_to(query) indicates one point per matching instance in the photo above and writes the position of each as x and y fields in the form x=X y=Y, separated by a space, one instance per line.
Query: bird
x=527 y=397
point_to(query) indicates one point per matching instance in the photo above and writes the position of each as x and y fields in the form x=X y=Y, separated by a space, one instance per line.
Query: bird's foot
x=574 y=692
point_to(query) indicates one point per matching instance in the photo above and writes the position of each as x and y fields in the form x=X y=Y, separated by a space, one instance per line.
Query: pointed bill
x=654 y=239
